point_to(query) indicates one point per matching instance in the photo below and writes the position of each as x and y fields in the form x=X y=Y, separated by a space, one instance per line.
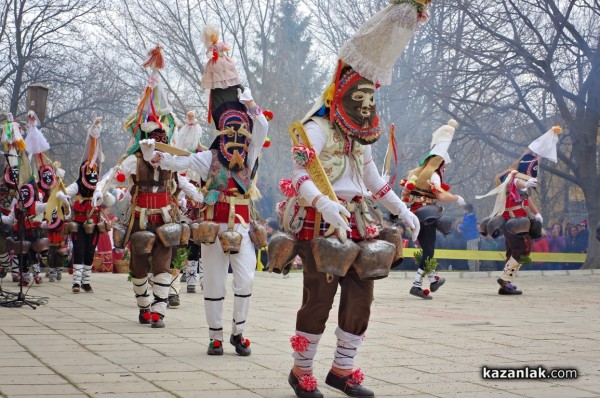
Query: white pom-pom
x=210 y=35
x=452 y=123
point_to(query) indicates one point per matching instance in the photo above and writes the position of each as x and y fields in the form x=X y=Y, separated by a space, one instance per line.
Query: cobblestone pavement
x=91 y=345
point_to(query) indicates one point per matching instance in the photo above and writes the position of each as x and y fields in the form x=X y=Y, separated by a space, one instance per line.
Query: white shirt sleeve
x=72 y=189
x=308 y=189
x=127 y=167
x=259 y=135
x=197 y=162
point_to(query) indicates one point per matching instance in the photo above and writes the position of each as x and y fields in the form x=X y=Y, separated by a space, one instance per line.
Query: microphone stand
x=17 y=300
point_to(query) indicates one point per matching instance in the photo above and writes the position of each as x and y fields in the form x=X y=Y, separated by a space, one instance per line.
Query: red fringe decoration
x=299 y=343
x=269 y=115
x=287 y=188
x=279 y=207
x=155 y=58
x=371 y=231
x=303 y=155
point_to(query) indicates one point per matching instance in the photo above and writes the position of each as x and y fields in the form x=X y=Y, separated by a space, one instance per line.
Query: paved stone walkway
x=91 y=345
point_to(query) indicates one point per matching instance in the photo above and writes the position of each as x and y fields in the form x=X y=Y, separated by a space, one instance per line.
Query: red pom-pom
x=216 y=343
x=120 y=177
x=287 y=188
x=377 y=85
x=402 y=182
x=303 y=155
x=268 y=114
x=371 y=231
x=155 y=317
x=146 y=315
x=280 y=207
x=267 y=143
x=410 y=186
x=405 y=199
x=307 y=383
x=426 y=292
x=299 y=343
x=358 y=376
x=245 y=342
x=437 y=278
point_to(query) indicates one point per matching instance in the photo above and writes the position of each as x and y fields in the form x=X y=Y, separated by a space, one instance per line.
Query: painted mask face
x=89 y=175
x=11 y=175
x=158 y=135
x=235 y=135
x=529 y=164
x=27 y=195
x=47 y=177
x=354 y=108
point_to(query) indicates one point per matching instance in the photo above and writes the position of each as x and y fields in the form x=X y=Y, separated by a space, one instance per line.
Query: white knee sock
x=140 y=289
x=305 y=348
x=86 y=275
x=347 y=346
x=160 y=289
x=77 y=273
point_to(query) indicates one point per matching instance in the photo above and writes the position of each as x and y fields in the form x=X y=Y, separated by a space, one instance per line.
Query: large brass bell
x=393 y=236
x=41 y=245
x=17 y=246
x=119 y=232
x=185 y=235
x=332 y=256
x=258 y=234
x=281 y=253
x=169 y=234
x=73 y=227
x=101 y=227
x=142 y=242
x=205 y=232
x=231 y=241
x=375 y=259
x=89 y=226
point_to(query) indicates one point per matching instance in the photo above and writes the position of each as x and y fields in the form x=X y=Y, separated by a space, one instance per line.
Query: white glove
x=245 y=96
x=539 y=217
x=147 y=147
x=411 y=222
x=460 y=201
x=182 y=203
x=119 y=194
x=532 y=183
x=44 y=224
x=63 y=198
x=97 y=198
x=330 y=211
x=198 y=197
x=108 y=199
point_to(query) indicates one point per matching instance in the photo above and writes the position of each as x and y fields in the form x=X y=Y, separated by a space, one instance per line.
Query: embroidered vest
x=219 y=179
x=337 y=150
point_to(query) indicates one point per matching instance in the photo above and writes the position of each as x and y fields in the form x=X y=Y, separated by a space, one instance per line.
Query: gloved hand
x=147 y=148
x=411 y=222
x=532 y=183
x=330 y=211
x=65 y=199
x=245 y=96
x=539 y=217
x=108 y=199
x=119 y=194
x=460 y=201
x=97 y=198
x=182 y=203
x=198 y=197
x=44 y=224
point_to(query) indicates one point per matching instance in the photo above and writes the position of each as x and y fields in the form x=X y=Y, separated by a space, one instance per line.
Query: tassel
x=155 y=59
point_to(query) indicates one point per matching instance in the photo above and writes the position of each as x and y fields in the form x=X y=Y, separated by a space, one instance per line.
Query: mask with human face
x=234 y=135
x=353 y=107
x=11 y=175
x=27 y=195
x=529 y=164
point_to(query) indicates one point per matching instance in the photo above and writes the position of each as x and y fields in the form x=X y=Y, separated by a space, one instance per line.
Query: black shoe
x=145 y=317
x=507 y=288
x=347 y=385
x=3 y=272
x=157 y=320
x=174 y=300
x=434 y=286
x=183 y=277
x=215 y=347
x=301 y=392
x=87 y=288
x=191 y=288
x=76 y=288
x=242 y=345
x=415 y=291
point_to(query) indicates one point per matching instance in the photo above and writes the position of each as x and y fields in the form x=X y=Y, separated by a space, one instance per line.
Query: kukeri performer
x=334 y=186
x=422 y=189
x=86 y=215
x=515 y=214
x=152 y=220
x=189 y=138
x=54 y=252
x=227 y=168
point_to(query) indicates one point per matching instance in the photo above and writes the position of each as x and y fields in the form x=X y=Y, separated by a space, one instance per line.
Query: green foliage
x=430 y=265
x=525 y=260
x=180 y=260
